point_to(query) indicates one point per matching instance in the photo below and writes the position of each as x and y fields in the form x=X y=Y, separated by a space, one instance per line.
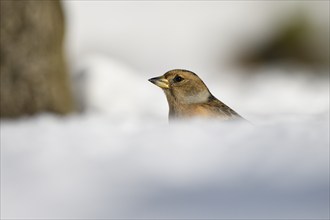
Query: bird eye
x=178 y=79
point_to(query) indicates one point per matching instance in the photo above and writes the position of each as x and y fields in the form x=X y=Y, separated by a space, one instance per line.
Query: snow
x=120 y=158
x=94 y=167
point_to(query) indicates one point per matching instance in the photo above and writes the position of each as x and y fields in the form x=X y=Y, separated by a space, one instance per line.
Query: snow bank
x=94 y=167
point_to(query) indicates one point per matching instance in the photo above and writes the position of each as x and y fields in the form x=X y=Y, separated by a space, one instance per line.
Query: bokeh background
x=85 y=135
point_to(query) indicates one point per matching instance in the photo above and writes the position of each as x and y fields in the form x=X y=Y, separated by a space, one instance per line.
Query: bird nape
x=188 y=97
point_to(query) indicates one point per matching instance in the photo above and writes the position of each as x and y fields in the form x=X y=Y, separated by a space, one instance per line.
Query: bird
x=188 y=97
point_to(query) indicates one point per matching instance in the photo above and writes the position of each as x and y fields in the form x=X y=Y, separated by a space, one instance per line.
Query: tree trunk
x=33 y=71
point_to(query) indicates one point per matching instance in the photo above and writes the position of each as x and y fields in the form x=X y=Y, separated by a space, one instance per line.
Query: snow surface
x=94 y=167
x=119 y=158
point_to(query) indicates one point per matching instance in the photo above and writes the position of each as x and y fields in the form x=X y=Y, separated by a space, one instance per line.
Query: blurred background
x=72 y=56
x=74 y=93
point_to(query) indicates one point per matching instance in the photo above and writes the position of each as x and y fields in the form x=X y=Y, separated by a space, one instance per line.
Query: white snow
x=94 y=167
x=120 y=158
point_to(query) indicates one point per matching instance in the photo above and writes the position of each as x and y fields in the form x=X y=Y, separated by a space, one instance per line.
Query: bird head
x=182 y=86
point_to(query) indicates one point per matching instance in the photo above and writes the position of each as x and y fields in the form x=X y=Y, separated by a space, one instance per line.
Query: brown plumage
x=188 y=96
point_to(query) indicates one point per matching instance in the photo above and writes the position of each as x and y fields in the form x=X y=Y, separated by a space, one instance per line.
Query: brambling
x=188 y=96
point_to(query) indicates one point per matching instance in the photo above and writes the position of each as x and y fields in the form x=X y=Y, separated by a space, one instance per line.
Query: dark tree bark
x=33 y=71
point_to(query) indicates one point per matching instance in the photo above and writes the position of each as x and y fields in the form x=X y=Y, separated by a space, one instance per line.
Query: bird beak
x=160 y=81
